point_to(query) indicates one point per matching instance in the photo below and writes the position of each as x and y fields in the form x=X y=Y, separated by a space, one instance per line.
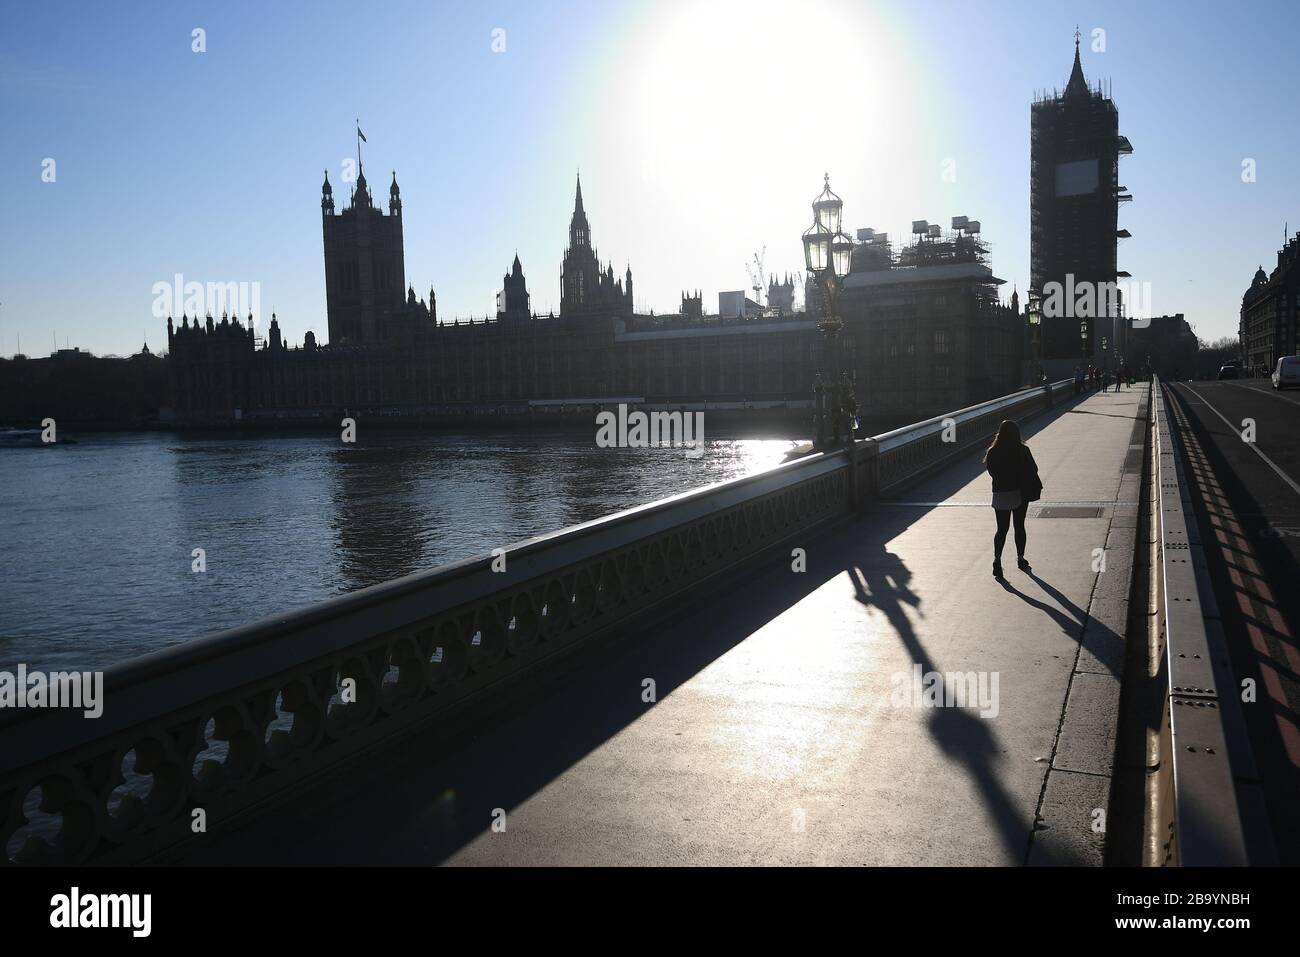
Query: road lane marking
x=984 y=503
x=1251 y=445
x=1269 y=391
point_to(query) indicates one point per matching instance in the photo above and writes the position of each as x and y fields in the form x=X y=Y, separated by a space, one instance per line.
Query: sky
x=702 y=131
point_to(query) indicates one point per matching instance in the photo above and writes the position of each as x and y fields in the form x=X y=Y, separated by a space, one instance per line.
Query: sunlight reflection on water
x=96 y=559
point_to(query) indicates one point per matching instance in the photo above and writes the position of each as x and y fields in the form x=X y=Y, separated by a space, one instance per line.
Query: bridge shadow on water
x=439 y=795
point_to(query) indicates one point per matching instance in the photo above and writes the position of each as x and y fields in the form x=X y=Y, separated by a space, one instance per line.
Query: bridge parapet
x=249 y=717
x=909 y=453
x=254 y=714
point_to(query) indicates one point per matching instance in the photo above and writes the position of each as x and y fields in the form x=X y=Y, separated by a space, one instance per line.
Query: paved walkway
x=777 y=736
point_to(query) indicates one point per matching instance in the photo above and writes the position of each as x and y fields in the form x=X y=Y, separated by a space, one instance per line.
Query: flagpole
x=358 y=144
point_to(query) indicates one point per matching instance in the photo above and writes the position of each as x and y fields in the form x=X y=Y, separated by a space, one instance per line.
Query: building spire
x=579 y=230
x=1077 y=85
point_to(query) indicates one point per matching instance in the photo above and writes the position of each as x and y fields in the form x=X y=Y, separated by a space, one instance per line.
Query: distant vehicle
x=1287 y=372
x=1228 y=372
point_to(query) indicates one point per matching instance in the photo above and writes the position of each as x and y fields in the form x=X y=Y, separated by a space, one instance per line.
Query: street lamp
x=1034 y=314
x=828 y=253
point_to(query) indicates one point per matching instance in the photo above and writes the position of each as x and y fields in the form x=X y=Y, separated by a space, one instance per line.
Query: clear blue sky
x=702 y=131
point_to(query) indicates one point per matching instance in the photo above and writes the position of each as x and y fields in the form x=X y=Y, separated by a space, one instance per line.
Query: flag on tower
x=362 y=135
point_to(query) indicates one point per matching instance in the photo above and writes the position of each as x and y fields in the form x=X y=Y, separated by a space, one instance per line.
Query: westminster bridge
x=811 y=664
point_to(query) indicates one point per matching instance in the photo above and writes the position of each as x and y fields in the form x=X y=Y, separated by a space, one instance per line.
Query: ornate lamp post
x=827 y=253
x=1034 y=316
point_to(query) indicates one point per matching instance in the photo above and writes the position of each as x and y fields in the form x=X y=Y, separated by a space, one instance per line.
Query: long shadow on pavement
x=435 y=799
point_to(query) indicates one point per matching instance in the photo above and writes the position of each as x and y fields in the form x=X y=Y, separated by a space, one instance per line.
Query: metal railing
x=249 y=717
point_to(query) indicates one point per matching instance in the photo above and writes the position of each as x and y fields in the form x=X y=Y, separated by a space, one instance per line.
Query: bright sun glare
x=731 y=112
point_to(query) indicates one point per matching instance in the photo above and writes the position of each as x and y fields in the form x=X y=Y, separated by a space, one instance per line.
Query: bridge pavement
x=775 y=736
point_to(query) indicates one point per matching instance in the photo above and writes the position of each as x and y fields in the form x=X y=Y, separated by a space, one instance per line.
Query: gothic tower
x=364 y=264
x=1074 y=197
x=585 y=287
x=580 y=273
x=512 y=302
x=780 y=295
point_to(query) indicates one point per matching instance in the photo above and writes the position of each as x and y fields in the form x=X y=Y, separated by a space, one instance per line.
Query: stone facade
x=922 y=335
x=1269 y=325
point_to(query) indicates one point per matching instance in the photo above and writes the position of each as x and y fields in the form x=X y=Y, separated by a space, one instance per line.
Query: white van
x=1287 y=372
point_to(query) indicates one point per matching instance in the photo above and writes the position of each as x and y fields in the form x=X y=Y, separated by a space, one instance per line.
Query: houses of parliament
x=389 y=355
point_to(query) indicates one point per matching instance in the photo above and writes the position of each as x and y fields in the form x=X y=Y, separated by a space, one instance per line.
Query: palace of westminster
x=924 y=329
x=915 y=339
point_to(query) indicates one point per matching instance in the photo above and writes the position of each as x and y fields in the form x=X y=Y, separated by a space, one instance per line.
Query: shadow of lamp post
x=827 y=254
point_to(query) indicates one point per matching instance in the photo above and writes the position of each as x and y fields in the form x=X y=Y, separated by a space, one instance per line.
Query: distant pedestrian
x=1015 y=485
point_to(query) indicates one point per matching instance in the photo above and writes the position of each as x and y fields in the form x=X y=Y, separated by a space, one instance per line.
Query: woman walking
x=1015 y=485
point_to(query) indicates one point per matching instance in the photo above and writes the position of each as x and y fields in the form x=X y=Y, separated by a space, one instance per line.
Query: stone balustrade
x=907 y=454
x=214 y=729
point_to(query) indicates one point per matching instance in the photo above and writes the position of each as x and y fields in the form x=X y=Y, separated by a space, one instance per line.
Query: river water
x=97 y=537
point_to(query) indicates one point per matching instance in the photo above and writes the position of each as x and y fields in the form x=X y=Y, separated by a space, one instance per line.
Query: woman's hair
x=1008 y=437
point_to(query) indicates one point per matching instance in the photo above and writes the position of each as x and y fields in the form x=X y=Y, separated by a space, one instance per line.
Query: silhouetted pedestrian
x=1015 y=485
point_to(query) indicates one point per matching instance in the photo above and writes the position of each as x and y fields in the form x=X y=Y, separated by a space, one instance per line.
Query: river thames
x=98 y=536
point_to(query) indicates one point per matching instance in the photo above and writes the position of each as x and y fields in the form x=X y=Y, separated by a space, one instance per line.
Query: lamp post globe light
x=828 y=253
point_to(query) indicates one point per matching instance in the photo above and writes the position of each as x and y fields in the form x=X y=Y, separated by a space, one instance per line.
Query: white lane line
x=1237 y=431
x=1269 y=391
x=983 y=503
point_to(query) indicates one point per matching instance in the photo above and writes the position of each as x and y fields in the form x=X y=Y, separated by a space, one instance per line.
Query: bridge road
x=774 y=738
x=1248 y=499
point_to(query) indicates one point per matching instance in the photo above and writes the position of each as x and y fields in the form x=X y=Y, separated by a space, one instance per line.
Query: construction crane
x=757 y=281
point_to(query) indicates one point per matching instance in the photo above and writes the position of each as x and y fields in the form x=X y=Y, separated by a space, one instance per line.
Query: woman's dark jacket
x=1011 y=467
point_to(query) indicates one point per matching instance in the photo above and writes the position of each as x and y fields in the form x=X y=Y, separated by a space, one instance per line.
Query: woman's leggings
x=1004 y=519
